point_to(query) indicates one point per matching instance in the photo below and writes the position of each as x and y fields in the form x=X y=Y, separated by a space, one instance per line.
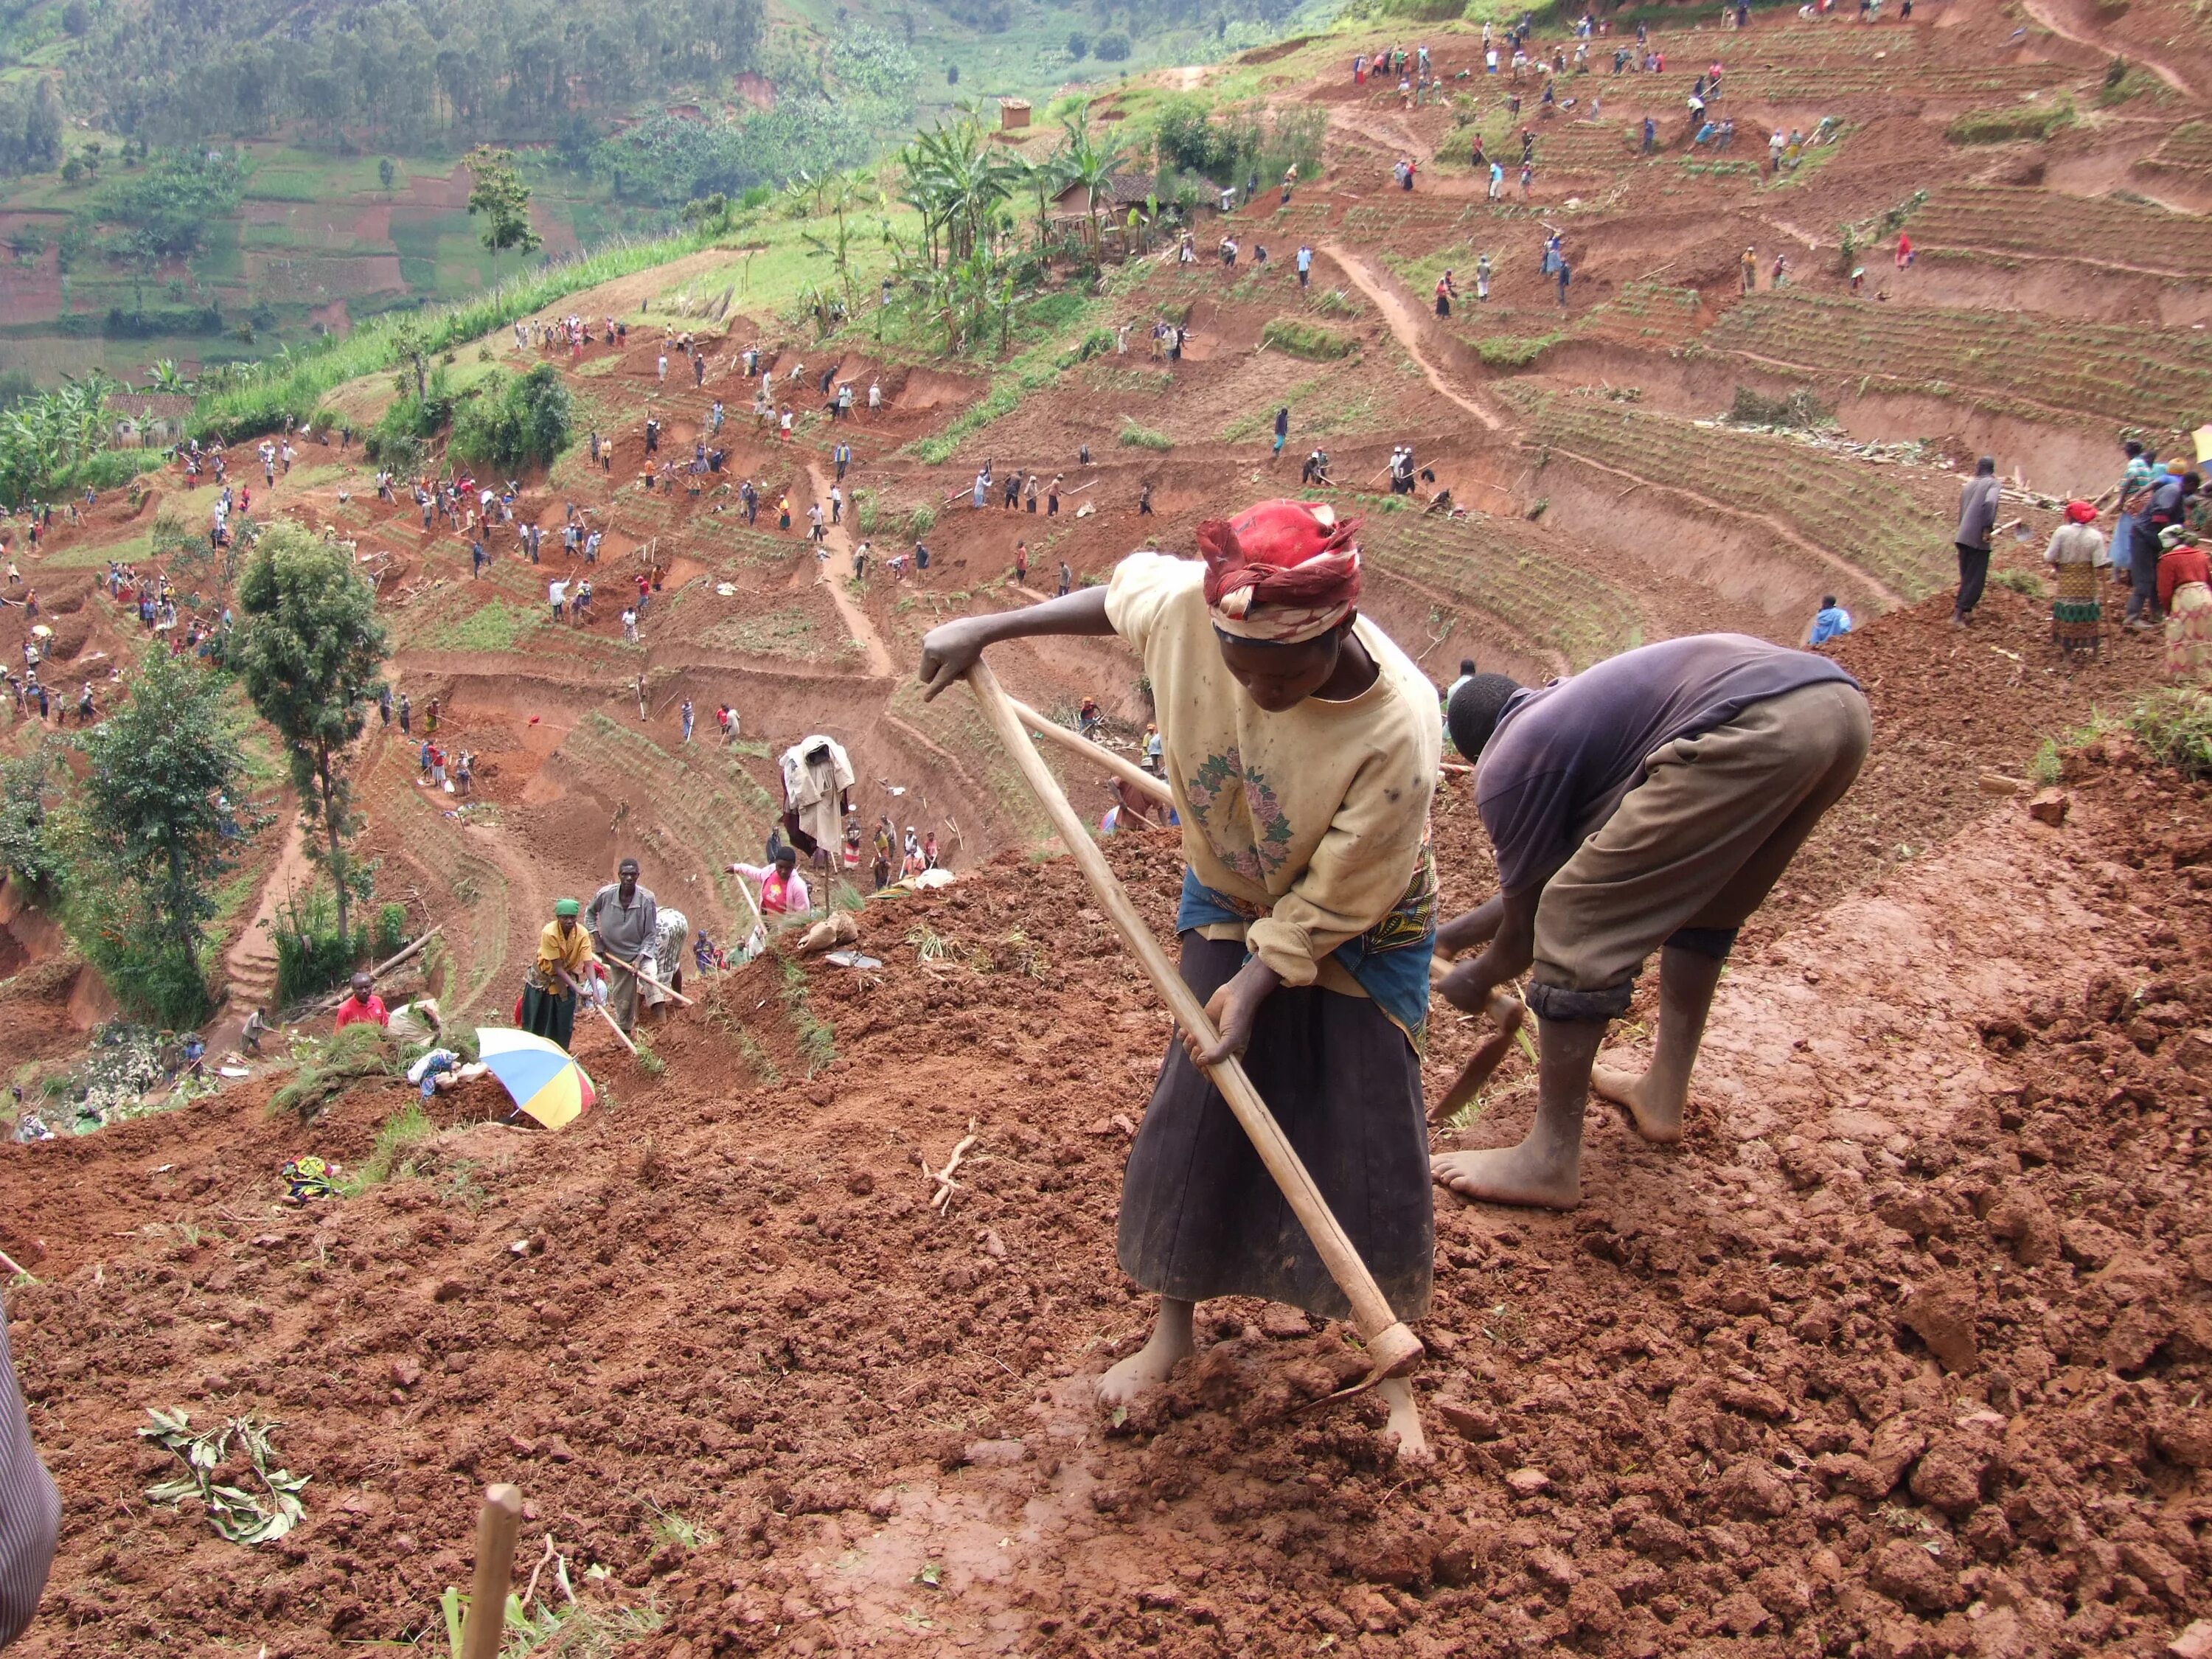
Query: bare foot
x=1397 y=1392
x=1148 y=1367
x=1657 y=1119
x=1512 y=1175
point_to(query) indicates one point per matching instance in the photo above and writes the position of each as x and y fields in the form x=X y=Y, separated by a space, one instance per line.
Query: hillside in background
x=332 y=140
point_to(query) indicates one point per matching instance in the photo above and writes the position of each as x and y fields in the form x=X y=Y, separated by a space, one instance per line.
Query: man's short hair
x=1827 y=601
x=1475 y=707
x=627 y=864
x=1466 y=665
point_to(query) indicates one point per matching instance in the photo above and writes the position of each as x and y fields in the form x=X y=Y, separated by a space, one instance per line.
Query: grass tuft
x=1142 y=437
x=2175 y=725
x=2006 y=126
x=1296 y=337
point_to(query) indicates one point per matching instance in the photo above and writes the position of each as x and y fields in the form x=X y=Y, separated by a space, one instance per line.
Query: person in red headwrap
x=2076 y=556
x=1303 y=747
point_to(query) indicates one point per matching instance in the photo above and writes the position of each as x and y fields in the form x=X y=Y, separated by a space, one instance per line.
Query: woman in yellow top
x=548 y=1004
x=1302 y=746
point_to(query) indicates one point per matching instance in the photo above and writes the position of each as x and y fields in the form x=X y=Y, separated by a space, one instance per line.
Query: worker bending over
x=1648 y=804
x=549 y=1001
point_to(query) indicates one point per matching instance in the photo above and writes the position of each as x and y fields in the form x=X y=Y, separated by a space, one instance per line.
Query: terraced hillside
x=1901 y=1353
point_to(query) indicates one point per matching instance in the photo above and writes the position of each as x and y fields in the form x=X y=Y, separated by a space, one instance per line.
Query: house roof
x=1122 y=190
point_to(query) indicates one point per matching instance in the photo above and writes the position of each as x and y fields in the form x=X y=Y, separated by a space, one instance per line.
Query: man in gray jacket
x=625 y=925
x=1978 y=517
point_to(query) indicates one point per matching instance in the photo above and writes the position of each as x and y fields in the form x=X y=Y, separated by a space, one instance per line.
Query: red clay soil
x=1902 y=1349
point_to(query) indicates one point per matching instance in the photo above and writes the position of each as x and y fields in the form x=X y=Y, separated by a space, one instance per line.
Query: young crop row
x=705 y=807
x=1652 y=311
x=2014 y=220
x=1810 y=82
x=954 y=725
x=2187 y=149
x=1833 y=502
x=419 y=815
x=1493 y=565
x=2148 y=376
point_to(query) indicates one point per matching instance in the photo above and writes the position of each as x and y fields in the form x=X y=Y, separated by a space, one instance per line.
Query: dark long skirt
x=1201 y=1217
x=550 y=1013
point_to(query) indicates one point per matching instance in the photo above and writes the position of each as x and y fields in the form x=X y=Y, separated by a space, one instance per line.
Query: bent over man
x=1648 y=804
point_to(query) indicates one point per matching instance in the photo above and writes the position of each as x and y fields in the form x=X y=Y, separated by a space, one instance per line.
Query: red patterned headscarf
x=1281 y=571
x=2081 y=513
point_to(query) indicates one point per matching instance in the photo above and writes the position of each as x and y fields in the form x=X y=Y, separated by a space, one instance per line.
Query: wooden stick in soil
x=638 y=973
x=1394 y=1348
x=760 y=922
x=1076 y=743
x=621 y=1036
x=19 y=1269
x=497 y=1525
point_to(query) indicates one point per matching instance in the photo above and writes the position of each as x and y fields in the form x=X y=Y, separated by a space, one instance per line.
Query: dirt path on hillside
x=1405 y=325
x=2045 y=12
x=839 y=538
x=250 y=963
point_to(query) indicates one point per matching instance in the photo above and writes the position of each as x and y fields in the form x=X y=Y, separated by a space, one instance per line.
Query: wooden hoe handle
x=1394 y=1348
x=497 y=1523
x=1082 y=747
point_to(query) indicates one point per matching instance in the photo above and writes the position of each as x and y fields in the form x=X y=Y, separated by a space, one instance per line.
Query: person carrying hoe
x=1302 y=746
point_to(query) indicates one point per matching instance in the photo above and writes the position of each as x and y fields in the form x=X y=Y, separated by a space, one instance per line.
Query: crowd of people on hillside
x=2161 y=521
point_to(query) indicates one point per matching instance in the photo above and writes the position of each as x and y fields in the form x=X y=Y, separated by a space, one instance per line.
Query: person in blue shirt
x=1830 y=620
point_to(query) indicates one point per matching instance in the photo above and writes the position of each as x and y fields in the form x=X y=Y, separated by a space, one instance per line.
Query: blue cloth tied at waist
x=1389 y=961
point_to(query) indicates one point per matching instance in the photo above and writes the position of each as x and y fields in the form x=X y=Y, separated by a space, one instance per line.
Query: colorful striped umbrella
x=542 y=1076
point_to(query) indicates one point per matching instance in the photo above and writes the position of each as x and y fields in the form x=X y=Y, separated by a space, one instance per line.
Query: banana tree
x=1084 y=161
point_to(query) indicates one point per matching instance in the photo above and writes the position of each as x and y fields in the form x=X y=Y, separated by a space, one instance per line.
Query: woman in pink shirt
x=783 y=890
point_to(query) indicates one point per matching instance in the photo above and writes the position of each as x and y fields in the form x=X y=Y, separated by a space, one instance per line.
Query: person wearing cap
x=548 y=1002
x=2076 y=557
x=2186 y=599
x=362 y=1005
x=1648 y=804
x=1301 y=747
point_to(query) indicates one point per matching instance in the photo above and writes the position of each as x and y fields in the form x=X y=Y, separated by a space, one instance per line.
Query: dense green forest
x=403 y=74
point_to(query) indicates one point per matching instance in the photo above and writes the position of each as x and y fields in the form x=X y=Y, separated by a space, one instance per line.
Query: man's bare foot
x=1397 y=1392
x=1147 y=1369
x=1658 y=1117
x=1512 y=1175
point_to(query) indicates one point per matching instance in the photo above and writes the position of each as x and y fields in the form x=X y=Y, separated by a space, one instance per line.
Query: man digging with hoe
x=624 y=923
x=1302 y=747
x=1648 y=804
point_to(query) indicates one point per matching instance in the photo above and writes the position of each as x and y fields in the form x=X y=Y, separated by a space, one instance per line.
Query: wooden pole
x=497 y=1524
x=1394 y=1349
x=635 y=972
x=621 y=1035
x=760 y=922
x=1076 y=743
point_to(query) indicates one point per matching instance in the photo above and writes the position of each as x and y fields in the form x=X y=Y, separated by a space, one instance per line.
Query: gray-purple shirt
x=1563 y=757
x=30 y=1508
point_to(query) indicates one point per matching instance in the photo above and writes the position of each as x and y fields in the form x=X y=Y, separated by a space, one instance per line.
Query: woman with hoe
x=1302 y=746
